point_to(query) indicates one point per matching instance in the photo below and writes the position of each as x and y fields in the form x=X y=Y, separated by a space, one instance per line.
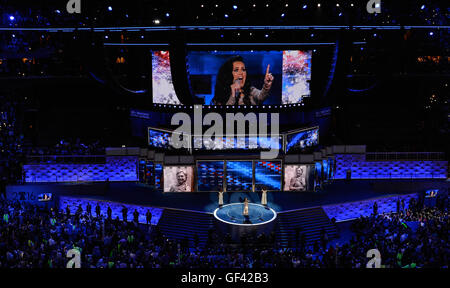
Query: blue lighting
x=167 y=14
x=431 y=33
x=11 y=18
x=282 y=15
x=109 y=8
x=422 y=7
x=57 y=11
x=234 y=7
x=226 y=15
x=305 y=6
x=340 y=14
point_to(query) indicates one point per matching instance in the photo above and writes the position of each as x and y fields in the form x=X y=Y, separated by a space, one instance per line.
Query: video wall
x=268 y=175
x=239 y=175
x=237 y=77
x=179 y=179
x=162 y=139
x=298 y=178
x=238 y=143
x=300 y=140
x=210 y=175
x=231 y=176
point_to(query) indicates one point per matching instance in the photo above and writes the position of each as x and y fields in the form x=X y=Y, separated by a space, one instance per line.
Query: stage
x=340 y=191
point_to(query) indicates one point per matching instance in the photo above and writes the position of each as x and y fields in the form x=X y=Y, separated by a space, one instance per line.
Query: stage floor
x=257 y=214
x=340 y=191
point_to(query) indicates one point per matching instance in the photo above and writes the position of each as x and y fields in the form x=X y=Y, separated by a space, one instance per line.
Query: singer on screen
x=232 y=87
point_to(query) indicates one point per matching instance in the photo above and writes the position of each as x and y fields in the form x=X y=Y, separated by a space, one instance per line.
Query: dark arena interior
x=237 y=134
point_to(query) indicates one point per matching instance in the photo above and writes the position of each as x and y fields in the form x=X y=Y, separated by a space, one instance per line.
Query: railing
x=417 y=156
x=66 y=159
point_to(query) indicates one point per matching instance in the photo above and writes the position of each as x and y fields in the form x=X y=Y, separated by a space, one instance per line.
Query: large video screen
x=159 y=138
x=238 y=143
x=178 y=178
x=163 y=91
x=210 y=175
x=162 y=139
x=297 y=178
x=237 y=77
x=299 y=141
x=268 y=175
x=239 y=175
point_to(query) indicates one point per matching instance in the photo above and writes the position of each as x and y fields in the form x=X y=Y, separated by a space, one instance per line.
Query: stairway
x=310 y=221
x=181 y=224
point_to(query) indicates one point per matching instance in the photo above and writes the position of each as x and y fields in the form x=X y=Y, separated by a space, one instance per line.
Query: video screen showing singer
x=233 y=88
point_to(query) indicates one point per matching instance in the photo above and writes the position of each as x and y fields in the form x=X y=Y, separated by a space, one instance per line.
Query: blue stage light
x=282 y=15
x=305 y=6
x=226 y=15
x=234 y=7
x=422 y=7
x=11 y=18
x=109 y=8
x=431 y=33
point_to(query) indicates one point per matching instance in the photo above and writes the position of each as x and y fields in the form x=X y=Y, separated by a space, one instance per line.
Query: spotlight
x=305 y=6
x=226 y=15
x=167 y=14
x=57 y=11
x=11 y=18
x=318 y=5
x=156 y=21
x=282 y=15
x=109 y=8
x=340 y=14
x=431 y=33
x=312 y=35
x=234 y=7
x=422 y=7
x=337 y=5
x=267 y=35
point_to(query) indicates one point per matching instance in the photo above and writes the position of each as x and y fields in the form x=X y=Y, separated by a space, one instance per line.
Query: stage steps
x=309 y=221
x=181 y=224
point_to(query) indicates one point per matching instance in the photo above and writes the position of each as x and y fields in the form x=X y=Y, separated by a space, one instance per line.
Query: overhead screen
x=298 y=141
x=238 y=143
x=162 y=139
x=211 y=77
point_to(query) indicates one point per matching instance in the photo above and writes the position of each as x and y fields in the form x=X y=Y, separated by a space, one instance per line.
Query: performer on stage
x=245 y=212
x=220 y=198
x=264 y=197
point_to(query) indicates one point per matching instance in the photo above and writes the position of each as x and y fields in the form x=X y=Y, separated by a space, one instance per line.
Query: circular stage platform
x=229 y=219
x=257 y=214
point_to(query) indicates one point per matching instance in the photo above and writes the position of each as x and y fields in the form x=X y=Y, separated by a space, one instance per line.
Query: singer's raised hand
x=268 y=78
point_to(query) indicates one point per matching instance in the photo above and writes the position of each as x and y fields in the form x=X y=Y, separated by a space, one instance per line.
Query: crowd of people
x=40 y=237
x=11 y=138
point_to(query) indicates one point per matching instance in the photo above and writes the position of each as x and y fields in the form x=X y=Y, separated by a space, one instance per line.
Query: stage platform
x=339 y=191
